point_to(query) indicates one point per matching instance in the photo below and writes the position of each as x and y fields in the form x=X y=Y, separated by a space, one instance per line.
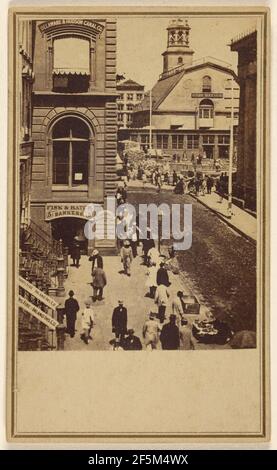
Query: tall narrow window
x=207 y=84
x=70 y=152
x=206 y=109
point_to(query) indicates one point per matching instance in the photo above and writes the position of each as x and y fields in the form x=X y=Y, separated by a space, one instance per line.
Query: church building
x=190 y=105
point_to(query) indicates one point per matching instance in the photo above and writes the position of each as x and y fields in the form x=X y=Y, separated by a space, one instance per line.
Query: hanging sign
x=37 y=293
x=38 y=313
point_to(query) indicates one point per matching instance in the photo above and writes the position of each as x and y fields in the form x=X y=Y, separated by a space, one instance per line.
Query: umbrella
x=244 y=339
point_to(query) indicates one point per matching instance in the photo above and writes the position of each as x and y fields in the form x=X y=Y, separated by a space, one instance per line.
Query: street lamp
x=231 y=150
x=150 y=120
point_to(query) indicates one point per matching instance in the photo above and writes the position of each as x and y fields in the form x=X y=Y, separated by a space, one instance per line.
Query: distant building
x=191 y=102
x=246 y=47
x=130 y=94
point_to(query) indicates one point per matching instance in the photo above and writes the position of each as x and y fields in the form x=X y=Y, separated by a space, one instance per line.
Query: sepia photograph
x=138 y=184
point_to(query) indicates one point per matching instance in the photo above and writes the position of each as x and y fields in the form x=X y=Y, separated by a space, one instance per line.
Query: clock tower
x=178 y=50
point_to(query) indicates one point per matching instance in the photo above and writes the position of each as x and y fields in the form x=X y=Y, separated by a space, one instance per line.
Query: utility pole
x=150 y=120
x=231 y=151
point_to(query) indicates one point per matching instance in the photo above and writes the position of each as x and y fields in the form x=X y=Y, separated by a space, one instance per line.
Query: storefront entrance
x=209 y=150
x=223 y=151
x=69 y=230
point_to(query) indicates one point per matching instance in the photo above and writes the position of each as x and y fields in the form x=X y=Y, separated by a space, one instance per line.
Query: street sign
x=33 y=290
x=38 y=313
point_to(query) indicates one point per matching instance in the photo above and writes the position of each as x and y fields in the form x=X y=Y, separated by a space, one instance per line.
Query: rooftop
x=129 y=85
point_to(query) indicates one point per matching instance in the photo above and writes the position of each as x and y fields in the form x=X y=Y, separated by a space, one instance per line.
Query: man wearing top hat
x=119 y=321
x=71 y=308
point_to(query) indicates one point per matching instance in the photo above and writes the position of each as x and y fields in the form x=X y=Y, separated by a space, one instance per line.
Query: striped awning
x=71 y=56
x=70 y=71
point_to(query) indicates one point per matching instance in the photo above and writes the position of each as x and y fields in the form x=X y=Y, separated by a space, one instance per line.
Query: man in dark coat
x=210 y=183
x=76 y=254
x=147 y=244
x=170 y=336
x=97 y=260
x=99 y=281
x=175 y=178
x=119 y=321
x=162 y=276
x=71 y=308
x=132 y=342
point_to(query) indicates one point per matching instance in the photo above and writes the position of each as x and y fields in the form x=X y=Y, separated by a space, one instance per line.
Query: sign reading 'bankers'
x=55 y=211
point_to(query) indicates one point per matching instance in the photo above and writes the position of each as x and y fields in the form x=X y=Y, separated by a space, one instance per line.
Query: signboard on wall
x=37 y=293
x=207 y=95
x=71 y=21
x=67 y=209
x=37 y=313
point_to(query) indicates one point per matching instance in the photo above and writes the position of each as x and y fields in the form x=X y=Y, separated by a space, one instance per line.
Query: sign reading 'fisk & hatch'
x=56 y=211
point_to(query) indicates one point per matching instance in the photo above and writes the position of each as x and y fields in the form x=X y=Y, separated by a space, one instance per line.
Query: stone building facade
x=246 y=47
x=25 y=74
x=74 y=124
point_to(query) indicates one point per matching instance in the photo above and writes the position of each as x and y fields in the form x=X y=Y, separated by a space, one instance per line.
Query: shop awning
x=71 y=56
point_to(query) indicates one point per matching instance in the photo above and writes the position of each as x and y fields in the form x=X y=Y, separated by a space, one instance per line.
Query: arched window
x=207 y=84
x=180 y=60
x=206 y=109
x=70 y=137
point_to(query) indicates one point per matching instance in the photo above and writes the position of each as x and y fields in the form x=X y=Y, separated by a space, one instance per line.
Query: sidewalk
x=241 y=221
x=131 y=290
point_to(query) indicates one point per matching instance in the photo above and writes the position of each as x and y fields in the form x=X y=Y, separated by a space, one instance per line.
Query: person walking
x=197 y=185
x=99 y=281
x=133 y=235
x=210 y=183
x=175 y=178
x=186 y=343
x=204 y=185
x=151 y=281
x=87 y=321
x=161 y=299
x=76 y=254
x=97 y=260
x=132 y=342
x=162 y=275
x=119 y=321
x=170 y=336
x=177 y=306
x=126 y=257
x=147 y=244
x=220 y=190
x=71 y=308
x=150 y=332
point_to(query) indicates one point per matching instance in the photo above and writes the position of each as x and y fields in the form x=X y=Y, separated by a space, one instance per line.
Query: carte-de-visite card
x=138 y=224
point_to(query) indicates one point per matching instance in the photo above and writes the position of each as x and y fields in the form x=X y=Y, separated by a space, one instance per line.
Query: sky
x=141 y=41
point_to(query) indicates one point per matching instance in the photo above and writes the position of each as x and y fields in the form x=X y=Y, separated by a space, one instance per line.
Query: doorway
x=209 y=150
x=70 y=229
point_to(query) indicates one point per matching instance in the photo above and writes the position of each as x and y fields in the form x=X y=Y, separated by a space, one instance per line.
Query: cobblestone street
x=131 y=290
